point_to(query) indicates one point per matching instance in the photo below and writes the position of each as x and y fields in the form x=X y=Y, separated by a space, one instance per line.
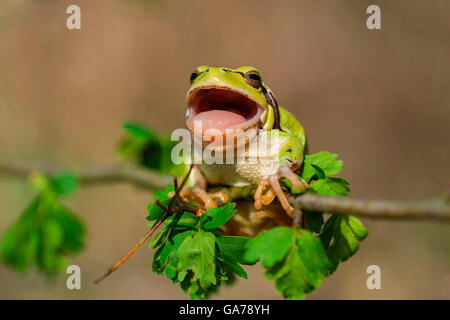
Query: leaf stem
x=129 y=253
x=168 y=212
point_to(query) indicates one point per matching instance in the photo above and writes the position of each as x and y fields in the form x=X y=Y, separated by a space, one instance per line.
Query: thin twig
x=169 y=210
x=129 y=253
x=188 y=208
x=123 y=173
x=434 y=209
x=298 y=216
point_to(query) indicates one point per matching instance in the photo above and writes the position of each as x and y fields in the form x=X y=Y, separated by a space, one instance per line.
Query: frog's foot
x=263 y=198
x=272 y=183
x=207 y=200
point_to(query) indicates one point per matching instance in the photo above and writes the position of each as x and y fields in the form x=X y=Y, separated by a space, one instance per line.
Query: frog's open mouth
x=222 y=108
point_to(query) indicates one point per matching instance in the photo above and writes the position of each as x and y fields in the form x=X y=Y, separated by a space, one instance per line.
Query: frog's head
x=223 y=98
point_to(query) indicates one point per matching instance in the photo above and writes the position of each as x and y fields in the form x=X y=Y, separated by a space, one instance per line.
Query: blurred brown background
x=380 y=99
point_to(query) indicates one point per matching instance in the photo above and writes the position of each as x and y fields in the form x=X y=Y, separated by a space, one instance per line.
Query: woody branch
x=436 y=209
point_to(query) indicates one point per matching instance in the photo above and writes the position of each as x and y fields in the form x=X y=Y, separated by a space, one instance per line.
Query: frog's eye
x=253 y=78
x=194 y=75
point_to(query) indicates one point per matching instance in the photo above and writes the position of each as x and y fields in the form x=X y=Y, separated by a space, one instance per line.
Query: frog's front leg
x=196 y=191
x=291 y=156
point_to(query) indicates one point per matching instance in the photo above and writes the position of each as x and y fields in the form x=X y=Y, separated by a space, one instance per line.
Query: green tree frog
x=227 y=99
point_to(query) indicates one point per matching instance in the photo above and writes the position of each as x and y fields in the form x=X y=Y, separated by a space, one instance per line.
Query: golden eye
x=194 y=76
x=253 y=78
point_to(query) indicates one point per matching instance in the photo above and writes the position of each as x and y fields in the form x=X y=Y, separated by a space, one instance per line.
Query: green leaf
x=233 y=248
x=52 y=239
x=331 y=186
x=167 y=252
x=314 y=220
x=197 y=253
x=45 y=234
x=321 y=166
x=218 y=216
x=163 y=195
x=288 y=276
x=302 y=267
x=170 y=272
x=159 y=238
x=183 y=220
x=65 y=183
x=154 y=212
x=18 y=244
x=286 y=184
x=236 y=268
x=325 y=160
x=72 y=227
x=149 y=149
x=328 y=230
x=338 y=185
x=138 y=130
x=320 y=173
x=271 y=246
x=142 y=145
x=347 y=231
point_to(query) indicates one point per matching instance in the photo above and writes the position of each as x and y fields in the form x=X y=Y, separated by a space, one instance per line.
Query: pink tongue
x=218 y=119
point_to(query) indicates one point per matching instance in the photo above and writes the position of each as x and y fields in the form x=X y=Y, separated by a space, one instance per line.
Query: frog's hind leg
x=272 y=182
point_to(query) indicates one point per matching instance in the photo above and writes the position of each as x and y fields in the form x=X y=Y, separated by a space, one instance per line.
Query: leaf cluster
x=194 y=252
x=149 y=149
x=298 y=260
x=340 y=234
x=46 y=232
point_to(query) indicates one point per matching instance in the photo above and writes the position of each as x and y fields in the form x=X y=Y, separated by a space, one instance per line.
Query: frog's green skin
x=291 y=137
